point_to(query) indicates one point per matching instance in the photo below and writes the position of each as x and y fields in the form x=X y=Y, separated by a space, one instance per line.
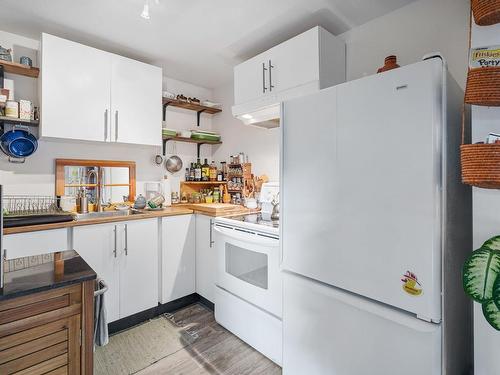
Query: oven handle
x=241 y=236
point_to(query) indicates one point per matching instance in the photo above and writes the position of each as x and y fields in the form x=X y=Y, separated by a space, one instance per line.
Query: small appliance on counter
x=268 y=194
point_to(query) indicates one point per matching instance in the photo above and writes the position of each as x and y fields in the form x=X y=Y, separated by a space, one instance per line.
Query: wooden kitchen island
x=47 y=315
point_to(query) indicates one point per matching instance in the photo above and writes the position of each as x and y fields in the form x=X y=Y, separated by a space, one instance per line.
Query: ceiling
x=197 y=41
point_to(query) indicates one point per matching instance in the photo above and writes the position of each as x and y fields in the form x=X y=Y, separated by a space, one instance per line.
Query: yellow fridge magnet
x=411 y=284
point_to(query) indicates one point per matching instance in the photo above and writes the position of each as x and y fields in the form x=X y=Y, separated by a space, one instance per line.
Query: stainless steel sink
x=104 y=214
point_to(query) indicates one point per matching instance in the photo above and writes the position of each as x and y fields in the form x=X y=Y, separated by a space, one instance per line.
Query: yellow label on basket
x=485 y=57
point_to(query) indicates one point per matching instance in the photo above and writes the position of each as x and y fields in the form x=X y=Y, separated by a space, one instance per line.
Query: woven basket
x=483 y=87
x=481 y=165
x=486 y=12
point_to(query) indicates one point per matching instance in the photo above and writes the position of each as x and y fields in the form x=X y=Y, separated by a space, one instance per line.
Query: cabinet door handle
x=116 y=126
x=211 y=233
x=264 y=88
x=115 y=251
x=271 y=66
x=126 y=240
x=105 y=125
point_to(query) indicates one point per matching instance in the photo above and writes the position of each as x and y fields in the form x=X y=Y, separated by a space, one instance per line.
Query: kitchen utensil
x=25 y=60
x=83 y=204
x=173 y=163
x=159 y=159
x=68 y=203
x=250 y=203
x=389 y=63
x=275 y=215
x=156 y=201
x=12 y=109
x=226 y=198
x=140 y=202
x=169 y=132
x=186 y=134
x=18 y=143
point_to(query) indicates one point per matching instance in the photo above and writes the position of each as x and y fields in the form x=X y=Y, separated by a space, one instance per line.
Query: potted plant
x=481 y=279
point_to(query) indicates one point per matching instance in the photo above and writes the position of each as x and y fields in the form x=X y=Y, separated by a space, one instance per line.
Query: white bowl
x=186 y=134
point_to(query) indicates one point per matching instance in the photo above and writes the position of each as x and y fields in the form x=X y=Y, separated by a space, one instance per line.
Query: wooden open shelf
x=13 y=120
x=190 y=106
x=204 y=182
x=191 y=140
x=19 y=69
x=198 y=142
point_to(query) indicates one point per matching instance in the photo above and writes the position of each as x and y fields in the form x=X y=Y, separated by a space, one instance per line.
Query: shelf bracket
x=198 y=146
x=165 y=105
x=198 y=113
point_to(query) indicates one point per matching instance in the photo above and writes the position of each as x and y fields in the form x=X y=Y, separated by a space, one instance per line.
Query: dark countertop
x=39 y=273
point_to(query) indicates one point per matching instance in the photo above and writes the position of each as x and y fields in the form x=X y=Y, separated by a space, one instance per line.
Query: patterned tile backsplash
x=27 y=262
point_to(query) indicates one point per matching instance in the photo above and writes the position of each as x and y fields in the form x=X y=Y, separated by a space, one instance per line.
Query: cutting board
x=217 y=209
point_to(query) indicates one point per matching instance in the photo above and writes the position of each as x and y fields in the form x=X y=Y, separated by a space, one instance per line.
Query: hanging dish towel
x=101 y=336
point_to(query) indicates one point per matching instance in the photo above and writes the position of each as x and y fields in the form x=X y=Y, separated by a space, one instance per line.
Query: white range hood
x=265 y=117
x=265 y=112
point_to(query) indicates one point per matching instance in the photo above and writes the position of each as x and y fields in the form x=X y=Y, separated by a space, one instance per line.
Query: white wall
x=410 y=32
x=261 y=145
x=36 y=176
x=486 y=216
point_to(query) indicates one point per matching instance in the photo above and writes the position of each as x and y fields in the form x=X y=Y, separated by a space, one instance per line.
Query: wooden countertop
x=178 y=209
x=169 y=211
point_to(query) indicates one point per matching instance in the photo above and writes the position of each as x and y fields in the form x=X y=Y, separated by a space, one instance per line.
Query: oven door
x=248 y=267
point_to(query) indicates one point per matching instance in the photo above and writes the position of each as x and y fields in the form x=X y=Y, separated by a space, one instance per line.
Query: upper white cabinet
x=313 y=60
x=135 y=102
x=177 y=257
x=76 y=88
x=89 y=94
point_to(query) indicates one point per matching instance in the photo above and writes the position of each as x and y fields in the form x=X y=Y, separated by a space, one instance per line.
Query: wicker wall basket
x=481 y=165
x=486 y=12
x=483 y=87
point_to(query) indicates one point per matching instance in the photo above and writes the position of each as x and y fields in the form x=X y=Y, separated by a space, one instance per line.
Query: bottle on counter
x=197 y=171
x=205 y=171
x=213 y=171
x=191 y=172
x=187 y=174
x=220 y=176
x=216 y=195
x=223 y=170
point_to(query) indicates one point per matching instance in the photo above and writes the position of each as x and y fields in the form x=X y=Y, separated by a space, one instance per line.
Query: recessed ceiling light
x=145 y=12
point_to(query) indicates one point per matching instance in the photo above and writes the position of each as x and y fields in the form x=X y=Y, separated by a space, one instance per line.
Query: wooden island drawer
x=42 y=333
x=31 y=311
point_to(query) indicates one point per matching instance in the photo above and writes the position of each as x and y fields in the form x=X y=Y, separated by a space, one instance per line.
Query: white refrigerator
x=375 y=225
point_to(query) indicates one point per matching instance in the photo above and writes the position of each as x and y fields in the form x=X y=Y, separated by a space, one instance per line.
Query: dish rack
x=20 y=205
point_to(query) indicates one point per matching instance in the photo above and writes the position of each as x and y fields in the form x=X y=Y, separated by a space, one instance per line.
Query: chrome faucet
x=98 y=187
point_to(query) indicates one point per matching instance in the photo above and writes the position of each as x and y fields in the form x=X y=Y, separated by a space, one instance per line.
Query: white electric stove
x=248 y=299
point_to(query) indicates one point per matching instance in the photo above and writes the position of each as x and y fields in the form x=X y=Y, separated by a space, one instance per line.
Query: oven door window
x=248 y=266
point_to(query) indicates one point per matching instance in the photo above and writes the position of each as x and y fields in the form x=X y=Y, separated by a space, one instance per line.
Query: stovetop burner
x=256 y=219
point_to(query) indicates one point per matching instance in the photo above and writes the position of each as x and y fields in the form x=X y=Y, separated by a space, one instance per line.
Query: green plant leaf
x=480 y=272
x=496 y=291
x=492 y=314
x=493 y=243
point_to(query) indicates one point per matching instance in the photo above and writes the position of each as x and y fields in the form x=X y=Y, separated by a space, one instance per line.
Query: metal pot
x=173 y=164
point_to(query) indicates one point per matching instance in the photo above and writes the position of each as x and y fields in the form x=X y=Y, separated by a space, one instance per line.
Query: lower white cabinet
x=36 y=243
x=177 y=257
x=125 y=255
x=206 y=258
